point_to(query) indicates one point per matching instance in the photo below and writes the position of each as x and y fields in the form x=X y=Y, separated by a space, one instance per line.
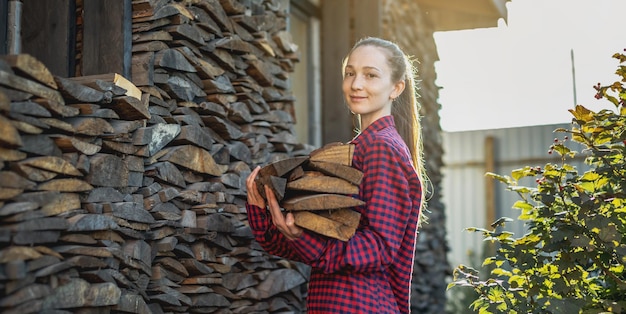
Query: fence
x=472 y=199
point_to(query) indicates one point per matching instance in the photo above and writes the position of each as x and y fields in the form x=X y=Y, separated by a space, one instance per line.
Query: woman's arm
x=263 y=227
x=384 y=219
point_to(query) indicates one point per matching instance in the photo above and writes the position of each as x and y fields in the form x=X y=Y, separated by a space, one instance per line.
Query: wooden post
x=107 y=41
x=490 y=199
x=343 y=23
x=367 y=18
x=336 y=118
x=47 y=33
x=4 y=11
x=14 y=22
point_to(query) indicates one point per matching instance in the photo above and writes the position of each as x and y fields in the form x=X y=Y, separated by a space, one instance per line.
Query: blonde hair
x=405 y=109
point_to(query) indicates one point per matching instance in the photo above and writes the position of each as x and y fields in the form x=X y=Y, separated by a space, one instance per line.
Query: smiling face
x=367 y=84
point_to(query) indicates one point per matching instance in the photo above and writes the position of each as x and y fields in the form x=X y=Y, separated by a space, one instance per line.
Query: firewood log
x=321 y=201
x=335 y=152
x=32 y=67
x=340 y=224
x=319 y=189
x=98 y=82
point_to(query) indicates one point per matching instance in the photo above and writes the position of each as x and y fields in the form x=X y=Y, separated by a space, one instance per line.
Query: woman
x=370 y=273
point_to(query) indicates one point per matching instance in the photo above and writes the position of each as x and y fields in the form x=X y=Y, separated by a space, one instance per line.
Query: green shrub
x=573 y=257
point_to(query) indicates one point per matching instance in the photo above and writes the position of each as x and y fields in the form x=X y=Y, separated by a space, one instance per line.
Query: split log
x=322 y=201
x=167 y=172
x=65 y=185
x=173 y=59
x=80 y=293
x=90 y=126
x=9 y=135
x=53 y=164
x=34 y=174
x=107 y=170
x=131 y=108
x=225 y=128
x=312 y=182
x=339 y=224
x=150 y=46
x=96 y=82
x=10 y=179
x=188 y=32
x=123 y=148
x=69 y=144
x=143 y=69
x=192 y=134
x=271 y=175
x=32 y=87
x=347 y=173
x=32 y=67
x=60 y=203
x=94 y=110
x=58 y=124
x=27 y=124
x=334 y=152
x=77 y=92
x=39 y=144
x=7 y=154
x=194 y=158
x=5 y=102
x=25 y=107
x=57 y=107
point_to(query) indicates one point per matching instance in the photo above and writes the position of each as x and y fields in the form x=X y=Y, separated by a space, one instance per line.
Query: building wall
x=405 y=23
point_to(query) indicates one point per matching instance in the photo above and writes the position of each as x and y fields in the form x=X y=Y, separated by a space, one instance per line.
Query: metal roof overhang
x=451 y=15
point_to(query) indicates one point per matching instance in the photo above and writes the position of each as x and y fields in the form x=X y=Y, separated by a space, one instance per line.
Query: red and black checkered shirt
x=370 y=273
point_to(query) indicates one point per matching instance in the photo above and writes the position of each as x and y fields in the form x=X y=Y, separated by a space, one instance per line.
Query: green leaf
x=504 y=179
x=517 y=281
x=501 y=272
x=523 y=205
x=500 y=222
x=582 y=241
x=610 y=235
x=582 y=114
x=561 y=149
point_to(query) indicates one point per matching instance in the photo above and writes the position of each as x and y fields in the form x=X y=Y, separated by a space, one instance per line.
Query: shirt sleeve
x=267 y=235
x=386 y=192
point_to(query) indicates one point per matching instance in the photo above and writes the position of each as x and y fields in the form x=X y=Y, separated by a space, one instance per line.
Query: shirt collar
x=381 y=123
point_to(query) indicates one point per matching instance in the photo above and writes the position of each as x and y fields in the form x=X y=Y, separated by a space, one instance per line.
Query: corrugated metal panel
x=464 y=182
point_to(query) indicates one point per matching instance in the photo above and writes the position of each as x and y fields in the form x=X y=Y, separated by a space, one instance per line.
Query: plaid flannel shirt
x=370 y=273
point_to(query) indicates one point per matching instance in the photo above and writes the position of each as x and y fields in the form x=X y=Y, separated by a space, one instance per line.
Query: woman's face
x=367 y=84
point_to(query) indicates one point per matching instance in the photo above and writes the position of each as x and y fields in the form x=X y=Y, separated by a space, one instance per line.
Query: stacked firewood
x=126 y=194
x=319 y=189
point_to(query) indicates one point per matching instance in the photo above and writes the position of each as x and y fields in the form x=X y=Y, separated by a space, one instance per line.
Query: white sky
x=520 y=72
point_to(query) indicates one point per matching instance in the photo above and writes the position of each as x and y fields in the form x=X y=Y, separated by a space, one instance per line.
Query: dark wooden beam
x=344 y=22
x=472 y=7
x=107 y=42
x=464 y=14
x=336 y=40
x=47 y=34
x=367 y=17
x=4 y=11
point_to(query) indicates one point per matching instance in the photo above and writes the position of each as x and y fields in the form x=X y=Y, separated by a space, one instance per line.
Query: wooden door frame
x=343 y=23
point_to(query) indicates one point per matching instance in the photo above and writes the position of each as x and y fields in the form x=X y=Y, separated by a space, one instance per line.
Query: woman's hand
x=254 y=197
x=286 y=224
